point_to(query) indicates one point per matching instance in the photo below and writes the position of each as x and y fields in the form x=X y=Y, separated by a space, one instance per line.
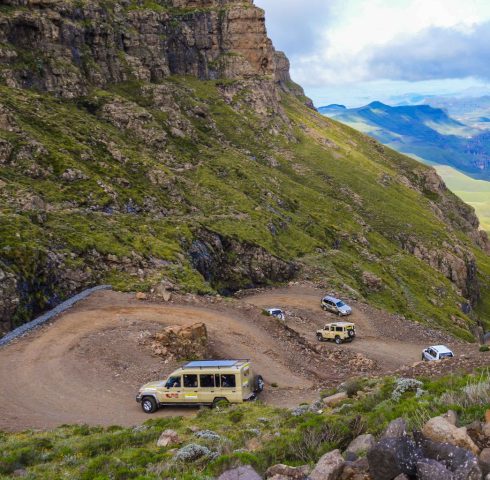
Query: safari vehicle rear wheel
x=219 y=400
x=149 y=405
x=338 y=340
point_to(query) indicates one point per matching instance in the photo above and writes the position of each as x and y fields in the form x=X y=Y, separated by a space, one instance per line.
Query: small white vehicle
x=275 y=312
x=436 y=352
x=336 y=306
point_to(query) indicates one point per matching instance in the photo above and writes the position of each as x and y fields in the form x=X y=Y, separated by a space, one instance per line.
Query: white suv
x=276 y=312
x=437 y=352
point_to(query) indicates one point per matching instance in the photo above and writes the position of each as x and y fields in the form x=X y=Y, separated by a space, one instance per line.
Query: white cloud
x=333 y=42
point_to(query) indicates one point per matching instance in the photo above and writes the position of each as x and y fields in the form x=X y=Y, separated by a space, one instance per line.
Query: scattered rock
x=440 y=430
x=458 y=460
x=372 y=282
x=240 y=473
x=141 y=296
x=168 y=437
x=361 y=445
x=451 y=416
x=335 y=399
x=396 y=428
x=392 y=456
x=484 y=461
x=285 y=472
x=431 y=470
x=181 y=342
x=329 y=467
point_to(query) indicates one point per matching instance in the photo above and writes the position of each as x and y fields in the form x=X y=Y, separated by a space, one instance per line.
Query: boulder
x=329 y=467
x=484 y=461
x=451 y=416
x=358 y=470
x=396 y=428
x=168 y=437
x=181 y=342
x=440 y=430
x=461 y=462
x=431 y=470
x=285 y=472
x=361 y=445
x=392 y=456
x=333 y=400
x=240 y=473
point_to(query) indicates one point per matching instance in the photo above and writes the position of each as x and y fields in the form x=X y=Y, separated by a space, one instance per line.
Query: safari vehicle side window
x=174 y=382
x=207 y=381
x=190 y=381
x=228 y=381
x=339 y=329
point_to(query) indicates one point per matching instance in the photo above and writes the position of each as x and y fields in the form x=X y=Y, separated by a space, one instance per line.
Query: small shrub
x=352 y=386
x=485 y=348
x=403 y=385
x=236 y=416
x=274 y=385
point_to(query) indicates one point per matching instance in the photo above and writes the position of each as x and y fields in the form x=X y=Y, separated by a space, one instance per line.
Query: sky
x=356 y=51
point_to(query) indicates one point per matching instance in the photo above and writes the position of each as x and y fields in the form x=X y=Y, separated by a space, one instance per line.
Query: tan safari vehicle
x=338 y=332
x=204 y=382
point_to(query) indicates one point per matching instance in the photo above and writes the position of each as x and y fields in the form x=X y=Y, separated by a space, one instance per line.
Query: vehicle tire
x=351 y=334
x=338 y=340
x=259 y=384
x=423 y=358
x=149 y=405
x=319 y=337
x=219 y=400
x=324 y=307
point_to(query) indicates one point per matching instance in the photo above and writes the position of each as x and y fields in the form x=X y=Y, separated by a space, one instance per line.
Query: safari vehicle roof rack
x=214 y=363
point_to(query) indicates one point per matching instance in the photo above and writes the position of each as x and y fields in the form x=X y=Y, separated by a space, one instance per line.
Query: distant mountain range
x=425 y=132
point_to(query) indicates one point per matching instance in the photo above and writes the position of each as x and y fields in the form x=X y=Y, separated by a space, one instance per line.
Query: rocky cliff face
x=66 y=48
x=143 y=142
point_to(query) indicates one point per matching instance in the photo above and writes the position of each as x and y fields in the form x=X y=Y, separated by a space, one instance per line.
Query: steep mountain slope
x=143 y=142
x=421 y=130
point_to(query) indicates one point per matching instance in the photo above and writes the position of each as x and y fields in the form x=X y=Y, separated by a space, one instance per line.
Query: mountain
x=163 y=143
x=424 y=131
x=473 y=111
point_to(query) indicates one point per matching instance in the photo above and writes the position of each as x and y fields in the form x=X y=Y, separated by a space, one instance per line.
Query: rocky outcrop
x=232 y=265
x=93 y=44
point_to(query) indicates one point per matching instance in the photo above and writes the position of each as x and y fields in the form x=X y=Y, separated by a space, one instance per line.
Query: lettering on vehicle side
x=171 y=395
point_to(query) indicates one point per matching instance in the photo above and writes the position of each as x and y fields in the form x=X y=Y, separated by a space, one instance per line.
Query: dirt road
x=87 y=365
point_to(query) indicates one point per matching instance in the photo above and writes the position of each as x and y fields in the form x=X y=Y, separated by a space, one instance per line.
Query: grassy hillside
x=116 y=186
x=474 y=192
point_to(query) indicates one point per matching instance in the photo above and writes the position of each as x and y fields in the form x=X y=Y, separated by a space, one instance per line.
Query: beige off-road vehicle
x=338 y=332
x=205 y=382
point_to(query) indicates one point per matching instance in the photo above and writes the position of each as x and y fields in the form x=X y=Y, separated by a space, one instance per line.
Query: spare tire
x=259 y=383
x=351 y=333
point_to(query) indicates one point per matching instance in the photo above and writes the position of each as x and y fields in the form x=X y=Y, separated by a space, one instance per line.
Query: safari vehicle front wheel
x=149 y=405
x=219 y=401
x=319 y=337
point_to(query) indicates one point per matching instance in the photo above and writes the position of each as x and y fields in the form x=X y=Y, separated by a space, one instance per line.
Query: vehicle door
x=229 y=387
x=172 y=392
x=339 y=331
x=208 y=387
x=191 y=388
x=429 y=354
